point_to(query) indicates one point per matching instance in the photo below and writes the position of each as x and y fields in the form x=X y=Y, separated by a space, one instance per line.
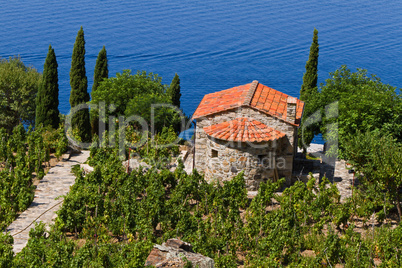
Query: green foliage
x=18 y=86
x=45 y=249
x=307 y=94
x=174 y=91
x=6 y=250
x=159 y=148
x=135 y=95
x=310 y=76
x=132 y=254
x=106 y=196
x=142 y=106
x=61 y=143
x=21 y=154
x=47 y=100
x=387 y=244
x=355 y=101
x=101 y=69
x=79 y=84
x=101 y=72
x=119 y=90
x=38 y=152
x=121 y=215
x=379 y=158
x=54 y=140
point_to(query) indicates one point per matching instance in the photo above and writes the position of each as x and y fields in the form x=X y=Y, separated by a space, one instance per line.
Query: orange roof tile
x=243 y=130
x=255 y=95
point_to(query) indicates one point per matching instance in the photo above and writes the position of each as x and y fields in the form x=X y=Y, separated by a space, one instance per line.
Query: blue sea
x=211 y=45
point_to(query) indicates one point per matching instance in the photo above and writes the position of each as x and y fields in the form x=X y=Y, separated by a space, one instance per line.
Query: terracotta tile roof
x=243 y=130
x=255 y=95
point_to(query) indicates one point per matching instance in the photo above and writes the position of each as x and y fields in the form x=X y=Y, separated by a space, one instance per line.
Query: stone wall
x=222 y=160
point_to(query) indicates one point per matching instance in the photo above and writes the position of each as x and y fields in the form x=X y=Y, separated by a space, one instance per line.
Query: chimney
x=291 y=110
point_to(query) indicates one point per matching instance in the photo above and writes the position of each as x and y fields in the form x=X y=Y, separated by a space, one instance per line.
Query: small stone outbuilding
x=250 y=128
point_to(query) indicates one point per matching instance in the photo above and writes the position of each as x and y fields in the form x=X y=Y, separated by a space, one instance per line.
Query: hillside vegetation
x=112 y=219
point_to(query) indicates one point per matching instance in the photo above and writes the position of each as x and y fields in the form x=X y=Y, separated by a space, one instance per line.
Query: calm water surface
x=212 y=45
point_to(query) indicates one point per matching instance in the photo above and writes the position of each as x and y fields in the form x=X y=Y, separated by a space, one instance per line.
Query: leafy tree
x=79 y=84
x=47 y=101
x=134 y=95
x=174 y=91
x=355 y=101
x=101 y=72
x=18 y=87
x=142 y=106
x=307 y=93
x=118 y=91
x=379 y=158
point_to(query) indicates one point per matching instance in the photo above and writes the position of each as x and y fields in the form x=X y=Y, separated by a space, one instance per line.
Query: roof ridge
x=250 y=93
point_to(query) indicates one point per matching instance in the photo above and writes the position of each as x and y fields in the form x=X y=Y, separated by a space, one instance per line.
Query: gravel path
x=57 y=182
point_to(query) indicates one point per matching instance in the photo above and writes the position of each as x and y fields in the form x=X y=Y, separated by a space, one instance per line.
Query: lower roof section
x=243 y=130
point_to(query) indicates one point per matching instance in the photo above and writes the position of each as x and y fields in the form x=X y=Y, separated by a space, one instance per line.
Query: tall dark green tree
x=174 y=91
x=47 y=100
x=79 y=84
x=101 y=68
x=308 y=93
x=310 y=76
x=101 y=72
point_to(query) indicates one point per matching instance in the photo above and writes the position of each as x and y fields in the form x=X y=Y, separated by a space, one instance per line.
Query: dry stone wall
x=222 y=160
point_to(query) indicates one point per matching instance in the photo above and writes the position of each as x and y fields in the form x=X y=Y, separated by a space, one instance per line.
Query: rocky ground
x=176 y=253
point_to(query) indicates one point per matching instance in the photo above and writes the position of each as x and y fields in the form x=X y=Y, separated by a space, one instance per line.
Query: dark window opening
x=262 y=159
x=214 y=153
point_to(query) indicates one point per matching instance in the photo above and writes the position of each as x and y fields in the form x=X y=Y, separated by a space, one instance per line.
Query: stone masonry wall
x=256 y=160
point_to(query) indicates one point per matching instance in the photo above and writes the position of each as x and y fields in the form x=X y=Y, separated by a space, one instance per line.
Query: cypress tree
x=79 y=85
x=308 y=92
x=47 y=100
x=174 y=91
x=101 y=69
x=309 y=85
x=101 y=72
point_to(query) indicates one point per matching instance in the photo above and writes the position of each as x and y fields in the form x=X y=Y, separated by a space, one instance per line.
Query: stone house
x=250 y=128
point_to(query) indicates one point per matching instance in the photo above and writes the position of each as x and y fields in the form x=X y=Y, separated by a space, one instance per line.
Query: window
x=214 y=153
x=262 y=159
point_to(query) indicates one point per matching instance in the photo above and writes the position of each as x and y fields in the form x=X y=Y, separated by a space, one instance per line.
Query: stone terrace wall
x=235 y=157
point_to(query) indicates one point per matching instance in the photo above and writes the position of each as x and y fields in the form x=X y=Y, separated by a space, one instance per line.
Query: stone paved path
x=343 y=179
x=57 y=182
